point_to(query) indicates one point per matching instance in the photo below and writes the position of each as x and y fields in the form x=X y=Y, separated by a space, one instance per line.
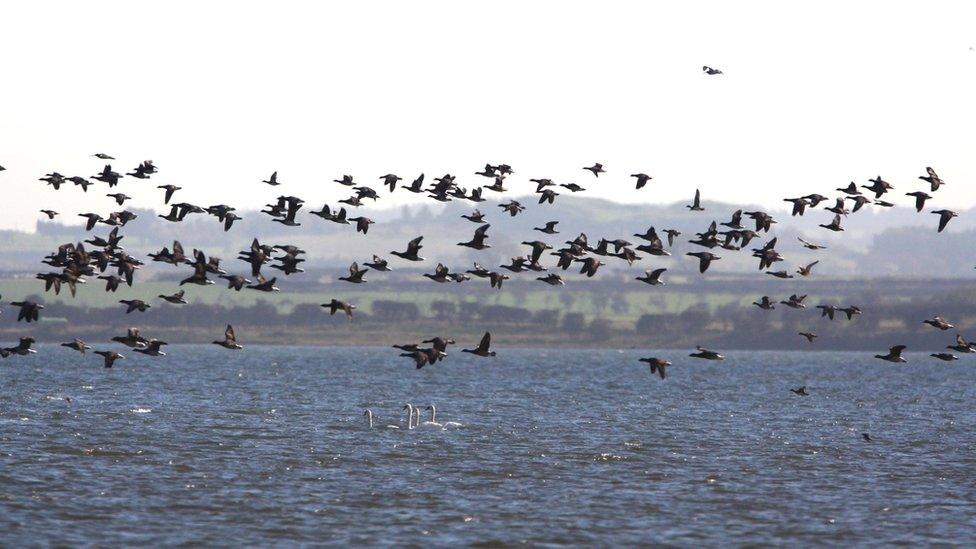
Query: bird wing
x=229 y=334
x=485 y=342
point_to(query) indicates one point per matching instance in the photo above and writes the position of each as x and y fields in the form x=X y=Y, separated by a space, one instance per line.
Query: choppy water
x=269 y=445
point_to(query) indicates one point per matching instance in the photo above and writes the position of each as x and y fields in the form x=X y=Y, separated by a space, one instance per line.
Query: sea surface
x=269 y=446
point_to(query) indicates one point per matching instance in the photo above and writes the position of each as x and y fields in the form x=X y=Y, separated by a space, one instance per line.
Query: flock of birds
x=105 y=259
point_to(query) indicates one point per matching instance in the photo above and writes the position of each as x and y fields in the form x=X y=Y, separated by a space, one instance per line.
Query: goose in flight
x=390 y=180
x=962 y=345
x=29 y=311
x=477 y=241
x=938 y=322
x=109 y=357
x=704 y=259
x=894 y=354
x=119 y=197
x=706 y=354
x=806 y=270
x=170 y=189
x=549 y=228
x=273 y=180
x=833 y=225
x=131 y=338
x=175 y=299
x=653 y=277
x=710 y=71
x=948 y=357
x=696 y=205
x=423 y=357
x=413 y=247
x=355 y=274
x=810 y=245
x=795 y=301
x=152 y=348
x=483 y=347
x=764 y=303
x=77 y=345
x=878 y=186
x=809 y=335
x=264 y=285
x=934 y=180
x=23 y=348
x=552 y=279
x=230 y=340
x=657 y=365
x=103 y=156
x=920 y=199
x=49 y=213
x=475 y=217
x=378 y=264
x=802 y=391
x=642 y=179
x=135 y=305
x=336 y=305
x=850 y=189
x=944 y=217
x=596 y=169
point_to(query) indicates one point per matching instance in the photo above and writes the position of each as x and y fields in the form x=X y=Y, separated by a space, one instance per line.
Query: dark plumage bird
x=152 y=348
x=77 y=345
x=920 y=199
x=362 y=223
x=810 y=245
x=440 y=274
x=109 y=357
x=710 y=71
x=657 y=365
x=23 y=348
x=496 y=279
x=336 y=305
x=549 y=228
x=764 y=303
x=170 y=189
x=596 y=169
x=878 y=186
x=483 y=347
x=948 y=357
x=49 y=213
x=235 y=281
x=29 y=311
x=934 y=180
x=378 y=264
x=572 y=187
x=696 y=205
x=512 y=207
x=230 y=339
x=264 y=285
x=119 y=197
x=390 y=180
x=938 y=322
x=944 y=217
x=706 y=354
x=273 y=180
x=806 y=270
x=894 y=354
x=423 y=357
x=355 y=274
x=413 y=247
x=866 y=437
x=795 y=301
x=809 y=335
x=176 y=299
x=653 y=277
x=704 y=259
x=477 y=241
x=802 y=391
x=850 y=189
x=642 y=179
x=475 y=217
x=833 y=225
x=135 y=305
x=962 y=345
x=552 y=279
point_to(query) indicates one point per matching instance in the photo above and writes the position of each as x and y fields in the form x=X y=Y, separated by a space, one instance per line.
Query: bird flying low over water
x=230 y=340
x=657 y=365
x=336 y=305
x=706 y=354
x=483 y=347
x=109 y=357
x=894 y=354
x=802 y=391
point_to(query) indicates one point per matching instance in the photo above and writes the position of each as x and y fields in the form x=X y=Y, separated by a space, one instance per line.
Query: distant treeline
x=884 y=322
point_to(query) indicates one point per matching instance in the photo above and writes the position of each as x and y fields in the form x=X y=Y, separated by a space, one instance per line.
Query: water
x=269 y=445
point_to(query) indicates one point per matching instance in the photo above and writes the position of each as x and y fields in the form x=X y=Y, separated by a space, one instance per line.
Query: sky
x=220 y=94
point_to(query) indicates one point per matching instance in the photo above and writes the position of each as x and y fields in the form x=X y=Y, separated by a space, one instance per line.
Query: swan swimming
x=410 y=410
x=369 y=416
x=433 y=419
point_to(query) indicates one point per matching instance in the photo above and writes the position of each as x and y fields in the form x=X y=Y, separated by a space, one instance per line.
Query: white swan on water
x=433 y=419
x=410 y=408
x=369 y=416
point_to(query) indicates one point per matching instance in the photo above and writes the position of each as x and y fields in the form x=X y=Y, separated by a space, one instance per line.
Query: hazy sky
x=220 y=94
